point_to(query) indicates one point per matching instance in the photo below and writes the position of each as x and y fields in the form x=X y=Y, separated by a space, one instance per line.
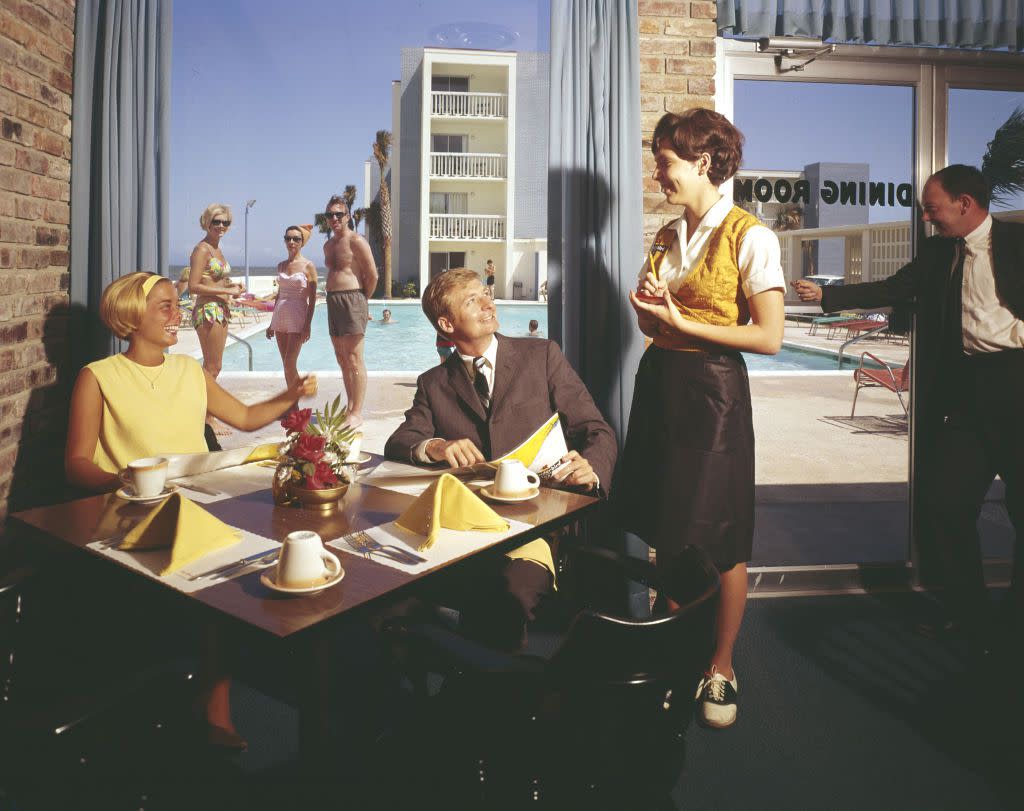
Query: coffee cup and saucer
x=145 y=480
x=304 y=566
x=512 y=482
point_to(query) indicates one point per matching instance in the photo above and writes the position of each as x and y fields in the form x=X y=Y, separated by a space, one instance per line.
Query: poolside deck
x=817 y=469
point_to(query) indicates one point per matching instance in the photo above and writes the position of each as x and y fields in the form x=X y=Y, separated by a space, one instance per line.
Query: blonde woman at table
x=146 y=403
x=295 y=301
x=209 y=280
x=711 y=289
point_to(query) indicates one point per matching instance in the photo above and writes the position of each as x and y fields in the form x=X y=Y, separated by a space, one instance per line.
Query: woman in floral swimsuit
x=209 y=280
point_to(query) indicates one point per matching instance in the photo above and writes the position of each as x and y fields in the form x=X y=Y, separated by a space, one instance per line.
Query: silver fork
x=365 y=545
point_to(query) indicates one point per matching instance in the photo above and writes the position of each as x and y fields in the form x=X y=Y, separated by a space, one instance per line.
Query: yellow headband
x=150 y=283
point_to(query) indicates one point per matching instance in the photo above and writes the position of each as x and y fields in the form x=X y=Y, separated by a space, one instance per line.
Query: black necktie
x=954 y=304
x=483 y=390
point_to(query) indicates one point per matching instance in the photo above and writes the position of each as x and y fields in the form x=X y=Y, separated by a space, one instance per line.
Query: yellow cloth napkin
x=261 y=453
x=537 y=551
x=189 y=530
x=449 y=504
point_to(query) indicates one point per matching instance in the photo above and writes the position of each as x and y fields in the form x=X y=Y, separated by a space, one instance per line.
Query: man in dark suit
x=967 y=287
x=488 y=397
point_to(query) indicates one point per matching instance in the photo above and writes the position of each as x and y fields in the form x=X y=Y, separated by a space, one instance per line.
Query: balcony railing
x=469 y=105
x=467 y=226
x=468 y=165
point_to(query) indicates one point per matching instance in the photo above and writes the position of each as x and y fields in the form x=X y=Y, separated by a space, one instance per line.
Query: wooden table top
x=72 y=525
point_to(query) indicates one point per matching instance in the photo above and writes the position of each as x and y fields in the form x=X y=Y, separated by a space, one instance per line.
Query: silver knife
x=198 y=488
x=228 y=568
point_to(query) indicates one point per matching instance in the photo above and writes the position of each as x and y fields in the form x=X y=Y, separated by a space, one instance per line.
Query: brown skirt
x=686 y=474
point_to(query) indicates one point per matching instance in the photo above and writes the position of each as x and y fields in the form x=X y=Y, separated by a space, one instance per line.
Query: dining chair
x=86 y=710
x=602 y=715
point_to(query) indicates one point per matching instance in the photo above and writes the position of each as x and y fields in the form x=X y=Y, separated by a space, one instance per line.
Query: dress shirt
x=759 y=255
x=988 y=324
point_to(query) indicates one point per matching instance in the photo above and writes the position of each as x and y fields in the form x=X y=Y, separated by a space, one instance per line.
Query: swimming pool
x=407 y=344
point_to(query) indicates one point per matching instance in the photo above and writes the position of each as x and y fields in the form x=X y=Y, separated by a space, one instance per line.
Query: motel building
x=469 y=167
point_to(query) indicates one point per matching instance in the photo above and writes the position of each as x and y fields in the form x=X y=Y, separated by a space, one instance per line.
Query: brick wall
x=677 y=69
x=36 y=44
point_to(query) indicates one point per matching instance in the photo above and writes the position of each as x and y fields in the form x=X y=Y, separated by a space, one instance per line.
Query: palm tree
x=382 y=152
x=349 y=196
x=1003 y=164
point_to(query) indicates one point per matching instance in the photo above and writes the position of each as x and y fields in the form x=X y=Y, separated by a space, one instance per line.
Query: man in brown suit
x=488 y=397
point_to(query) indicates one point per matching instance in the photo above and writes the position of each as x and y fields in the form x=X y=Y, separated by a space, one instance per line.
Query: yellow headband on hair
x=150 y=283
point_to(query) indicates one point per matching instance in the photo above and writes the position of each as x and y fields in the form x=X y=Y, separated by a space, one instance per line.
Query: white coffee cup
x=304 y=562
x=146 y=476
x=513 y=479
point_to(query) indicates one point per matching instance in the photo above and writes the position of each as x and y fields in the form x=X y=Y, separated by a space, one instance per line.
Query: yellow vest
x=712 y=293
x=149 y=410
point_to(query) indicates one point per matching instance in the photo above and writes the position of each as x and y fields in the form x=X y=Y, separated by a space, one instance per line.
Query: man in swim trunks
x=351 y=279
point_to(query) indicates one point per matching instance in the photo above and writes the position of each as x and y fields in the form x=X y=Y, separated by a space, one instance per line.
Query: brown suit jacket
x=532 y=380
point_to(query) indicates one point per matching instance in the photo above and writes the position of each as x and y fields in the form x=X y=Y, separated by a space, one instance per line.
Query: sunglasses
x=293 y=239
x=335 y=215
x=217 y=221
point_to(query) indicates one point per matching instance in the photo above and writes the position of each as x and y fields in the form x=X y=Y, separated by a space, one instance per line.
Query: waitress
x=712 y=287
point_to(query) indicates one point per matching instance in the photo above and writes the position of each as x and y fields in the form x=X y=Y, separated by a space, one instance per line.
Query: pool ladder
x=246 y=344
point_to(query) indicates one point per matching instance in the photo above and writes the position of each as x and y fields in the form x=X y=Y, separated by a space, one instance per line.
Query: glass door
x=832 y=481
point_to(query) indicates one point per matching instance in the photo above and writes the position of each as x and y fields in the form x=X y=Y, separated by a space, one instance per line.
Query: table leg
x=313 y=681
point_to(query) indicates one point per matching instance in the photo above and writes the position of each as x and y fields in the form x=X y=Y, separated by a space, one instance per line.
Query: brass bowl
x=325 y=500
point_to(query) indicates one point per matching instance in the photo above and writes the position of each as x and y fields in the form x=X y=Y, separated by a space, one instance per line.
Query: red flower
x=321 y=478
x=296 y=421
x=309 y=447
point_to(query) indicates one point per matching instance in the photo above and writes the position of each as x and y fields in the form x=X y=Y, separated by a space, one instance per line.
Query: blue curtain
x=595 y=205
x=120 y=141
x=595 y=213
x=991 y=24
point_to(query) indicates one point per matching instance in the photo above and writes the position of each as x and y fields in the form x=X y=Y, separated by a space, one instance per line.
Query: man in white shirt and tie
x=967 y=287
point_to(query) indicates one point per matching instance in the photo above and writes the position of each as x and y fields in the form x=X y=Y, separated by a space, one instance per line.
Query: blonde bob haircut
x=439 y=294
x=123 y=303
x=212 y=211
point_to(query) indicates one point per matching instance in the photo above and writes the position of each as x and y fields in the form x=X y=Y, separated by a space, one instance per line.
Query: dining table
x=302 y=624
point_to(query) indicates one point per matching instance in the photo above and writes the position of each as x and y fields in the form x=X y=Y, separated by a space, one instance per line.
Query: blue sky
x=281 y=101
x=789 y=125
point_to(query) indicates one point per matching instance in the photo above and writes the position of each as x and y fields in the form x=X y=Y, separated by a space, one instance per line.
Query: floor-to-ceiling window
x=835 y=157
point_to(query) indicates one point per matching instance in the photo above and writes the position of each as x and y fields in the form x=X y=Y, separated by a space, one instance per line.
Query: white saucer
x=487 y=493
x=362 y=459
x=268 y=580
x=123 y=492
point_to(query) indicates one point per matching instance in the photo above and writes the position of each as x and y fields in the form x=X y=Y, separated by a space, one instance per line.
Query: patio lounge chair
x=855 y=327
x=889 y=376
x=828 y=320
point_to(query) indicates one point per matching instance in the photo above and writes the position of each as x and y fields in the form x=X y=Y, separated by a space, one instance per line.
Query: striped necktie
x=483 y=389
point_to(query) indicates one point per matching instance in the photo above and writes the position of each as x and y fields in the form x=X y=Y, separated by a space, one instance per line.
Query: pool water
x=404 y=345
x=407 y=344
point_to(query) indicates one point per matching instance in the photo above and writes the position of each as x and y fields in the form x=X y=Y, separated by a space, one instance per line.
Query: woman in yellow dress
x=712 y=287
x=144 y=402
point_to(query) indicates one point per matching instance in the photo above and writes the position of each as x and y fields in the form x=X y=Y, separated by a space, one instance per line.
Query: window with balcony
x=451 y=84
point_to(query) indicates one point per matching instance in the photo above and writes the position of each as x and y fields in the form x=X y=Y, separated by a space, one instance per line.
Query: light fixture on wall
x=794 y=48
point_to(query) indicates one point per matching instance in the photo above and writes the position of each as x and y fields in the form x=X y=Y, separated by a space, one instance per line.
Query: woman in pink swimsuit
x=296 y=300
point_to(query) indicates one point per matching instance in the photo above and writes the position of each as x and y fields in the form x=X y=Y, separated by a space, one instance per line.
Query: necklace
x=151 y=380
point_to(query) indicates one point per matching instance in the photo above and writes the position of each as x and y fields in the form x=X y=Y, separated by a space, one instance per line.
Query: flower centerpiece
x=313 y=465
